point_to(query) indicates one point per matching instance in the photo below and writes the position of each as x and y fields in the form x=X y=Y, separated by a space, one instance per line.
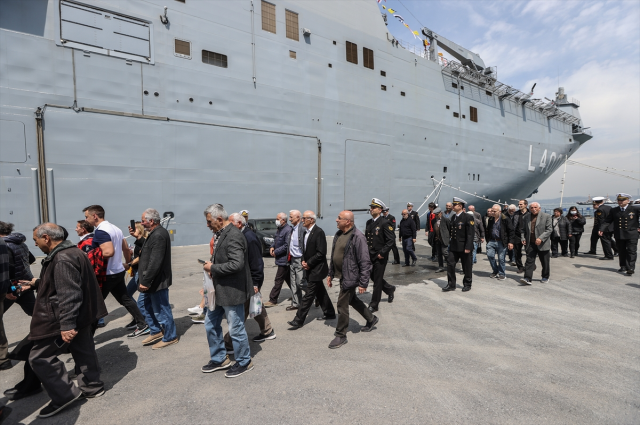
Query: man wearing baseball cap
x=626 y=228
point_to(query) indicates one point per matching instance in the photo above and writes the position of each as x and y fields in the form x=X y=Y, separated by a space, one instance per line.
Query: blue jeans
x=215 y=336
x=407 y=248
x=475 y=251
x=493 y=248
x=158 y=315
x=132 y=286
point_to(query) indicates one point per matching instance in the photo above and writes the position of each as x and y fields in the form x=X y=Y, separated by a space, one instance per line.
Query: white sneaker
x=197 y=310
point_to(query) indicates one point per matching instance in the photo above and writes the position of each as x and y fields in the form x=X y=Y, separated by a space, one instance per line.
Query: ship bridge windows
x=292 y=25
x=352 y=52
x=367 y=58
x=454 y=85
x=268 y=11
x=213 y=58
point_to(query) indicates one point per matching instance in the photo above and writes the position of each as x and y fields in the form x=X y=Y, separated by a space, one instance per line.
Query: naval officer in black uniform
x=380 y=237
x=626 y=228
x=600 y=213
x=392 y=220
x=461 y=232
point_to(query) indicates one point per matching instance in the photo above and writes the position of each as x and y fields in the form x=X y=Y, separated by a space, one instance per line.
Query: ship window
x=213 y=58
x=292 y=54
x=455 y=114
x=183 y=48
x=181 y=1
x=444 y=170
x=383 y=73
x=488 y=93
x=469 y=176
x=474 y=177
x=473 y=114
x=461 y=87
x=454 y=85
x=352 y=52
x=463 y=116
x=478 y=177
x=330 y=66
x=402 y=93
x=383 y=88
x=334 y=43
x=292 y=25
x=268 y=11
x=367 y=58
x=447 y=106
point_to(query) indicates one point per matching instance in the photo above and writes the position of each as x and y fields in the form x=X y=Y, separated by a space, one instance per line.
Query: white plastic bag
x=255 y=305
x=209 y=292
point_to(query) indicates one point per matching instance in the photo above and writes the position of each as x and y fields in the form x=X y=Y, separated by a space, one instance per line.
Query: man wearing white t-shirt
x=110 y=239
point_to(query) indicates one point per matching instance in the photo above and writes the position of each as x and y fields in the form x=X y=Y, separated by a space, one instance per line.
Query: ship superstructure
x=265 y=106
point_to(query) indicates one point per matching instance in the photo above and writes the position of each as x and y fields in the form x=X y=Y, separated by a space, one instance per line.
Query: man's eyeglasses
x=307 y=218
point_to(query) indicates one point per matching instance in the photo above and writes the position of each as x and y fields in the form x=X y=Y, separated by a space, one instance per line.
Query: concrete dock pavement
x=555 y=353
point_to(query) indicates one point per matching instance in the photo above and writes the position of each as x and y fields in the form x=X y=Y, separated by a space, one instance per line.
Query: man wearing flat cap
x=461 y=233
x=600 y=213
x=626 y=228
x=245 y=215
x=380 y=237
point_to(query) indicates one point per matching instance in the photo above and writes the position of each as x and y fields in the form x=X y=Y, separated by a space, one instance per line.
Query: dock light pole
x=564 y=175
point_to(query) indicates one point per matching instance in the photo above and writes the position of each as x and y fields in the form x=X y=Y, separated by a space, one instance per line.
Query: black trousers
x=605 y=240
x=346 y=298
x=315 y=290
x=396 y=254
x=466 y=259
x=440 y=249
x=283 y=274
x=517 y=254
x=530 y=265
x=26 y=300
x=379 y=284
x=115 y=286
x=51 y=371
x=627 y=253
x=554 y=245
x=30 y=382
x=574 y=243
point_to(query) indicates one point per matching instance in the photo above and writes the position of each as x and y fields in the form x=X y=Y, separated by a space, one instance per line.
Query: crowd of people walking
x=66 y=301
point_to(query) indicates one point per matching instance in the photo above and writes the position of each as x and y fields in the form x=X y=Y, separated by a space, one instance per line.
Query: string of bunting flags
x=415 y=34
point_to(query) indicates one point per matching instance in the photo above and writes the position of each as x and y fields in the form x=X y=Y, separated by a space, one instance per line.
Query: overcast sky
x=592 y=47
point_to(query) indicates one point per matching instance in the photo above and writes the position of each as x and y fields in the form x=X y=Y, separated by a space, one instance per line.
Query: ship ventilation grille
x=183 y=48
x=268 y=11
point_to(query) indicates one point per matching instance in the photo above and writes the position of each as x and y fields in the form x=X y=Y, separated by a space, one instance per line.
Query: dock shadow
x=633 y=284
x=606 y=269
x=116 y=361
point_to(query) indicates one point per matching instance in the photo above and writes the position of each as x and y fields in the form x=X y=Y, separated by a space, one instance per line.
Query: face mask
x=573 y=212
x=278 y=223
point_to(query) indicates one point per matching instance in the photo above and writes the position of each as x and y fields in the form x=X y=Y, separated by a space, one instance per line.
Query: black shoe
x=622 y=270
x=405 y=265
x=294 y=325
x=132 y=325
x=237 y=370
x=94 y=395
x=630 y=272
x=520 y=271
x=338 y=342
x=263 y=337
x=51 y=409
x=615 y=254
x=372 y=309
x=396 y=262
x=554 y=256
x=606 y=259
x=325 y=317
x=291 y=308
x=392 y=295
x=448 y=288
x=6 y=365
x=317 y=304
x=590 y=253
x=15 y=394
x=101 y=324
x=369 y=326
x=213 y=366
x=565 y=255
x=441 y=269
x=571 y=256
x=466 y=288
x=413 y=263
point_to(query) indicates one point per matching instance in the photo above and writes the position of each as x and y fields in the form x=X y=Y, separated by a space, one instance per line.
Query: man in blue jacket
x=350 y=263
x=280 y=250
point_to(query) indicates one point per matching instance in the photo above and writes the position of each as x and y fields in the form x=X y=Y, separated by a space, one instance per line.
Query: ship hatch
x=90 y=28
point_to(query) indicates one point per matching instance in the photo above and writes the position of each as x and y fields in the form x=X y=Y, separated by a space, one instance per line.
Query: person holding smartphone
x=68 y=305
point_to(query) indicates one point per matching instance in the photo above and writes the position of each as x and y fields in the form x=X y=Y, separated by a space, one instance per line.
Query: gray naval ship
x=264 y=106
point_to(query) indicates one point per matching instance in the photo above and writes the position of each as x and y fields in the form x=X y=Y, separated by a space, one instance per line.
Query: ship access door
x=366 y=176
